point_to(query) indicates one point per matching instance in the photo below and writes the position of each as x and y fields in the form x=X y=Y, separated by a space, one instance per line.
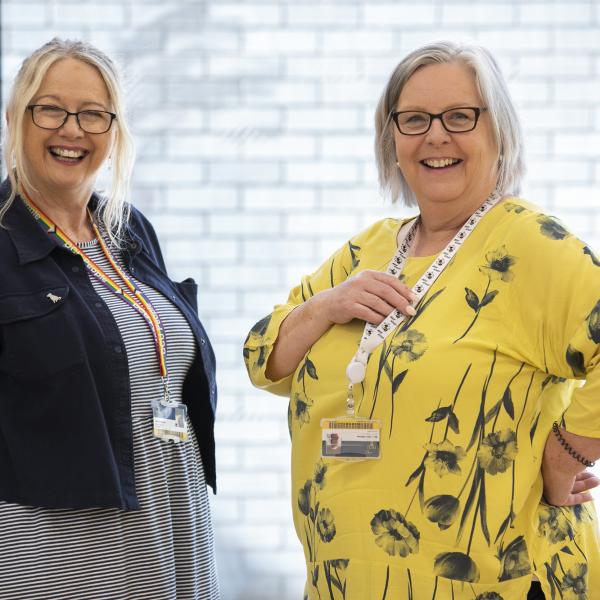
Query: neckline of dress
x=87 y=245
x=508 y=197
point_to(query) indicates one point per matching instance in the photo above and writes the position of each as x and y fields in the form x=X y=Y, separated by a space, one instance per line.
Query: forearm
x=298 y=332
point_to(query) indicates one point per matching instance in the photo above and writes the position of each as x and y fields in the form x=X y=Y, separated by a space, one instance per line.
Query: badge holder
x=351 y=438
x=169 y=420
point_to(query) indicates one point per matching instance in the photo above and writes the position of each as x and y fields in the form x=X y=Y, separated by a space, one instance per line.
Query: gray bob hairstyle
x=494 y=93
x=113 y=209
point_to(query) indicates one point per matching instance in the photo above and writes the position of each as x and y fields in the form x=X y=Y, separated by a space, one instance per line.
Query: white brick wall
x=254 y=128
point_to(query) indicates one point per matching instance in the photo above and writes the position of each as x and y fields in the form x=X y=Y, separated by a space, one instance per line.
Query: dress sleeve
x=263 y=335
x=569 y=325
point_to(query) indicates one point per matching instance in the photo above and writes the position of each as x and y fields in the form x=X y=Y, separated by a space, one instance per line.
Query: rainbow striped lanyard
x=130 y=293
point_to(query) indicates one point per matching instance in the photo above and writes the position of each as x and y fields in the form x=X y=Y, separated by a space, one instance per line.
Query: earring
x=397 y=164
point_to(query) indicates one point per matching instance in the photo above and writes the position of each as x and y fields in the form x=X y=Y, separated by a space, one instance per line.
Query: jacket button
x=203 y=341
x=118 y=349
x=98 y=304
x=75 y=269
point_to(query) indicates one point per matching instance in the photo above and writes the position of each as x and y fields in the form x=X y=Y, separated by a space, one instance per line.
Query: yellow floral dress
x=466 y=391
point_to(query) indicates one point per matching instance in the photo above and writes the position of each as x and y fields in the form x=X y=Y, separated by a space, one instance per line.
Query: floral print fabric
x=466 y=391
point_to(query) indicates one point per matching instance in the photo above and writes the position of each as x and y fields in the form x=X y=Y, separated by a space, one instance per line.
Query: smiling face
x=65 y=161
x=442 y=167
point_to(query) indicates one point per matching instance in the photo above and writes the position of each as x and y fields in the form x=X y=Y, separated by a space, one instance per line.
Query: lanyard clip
x=350 y=402
x=166 y=401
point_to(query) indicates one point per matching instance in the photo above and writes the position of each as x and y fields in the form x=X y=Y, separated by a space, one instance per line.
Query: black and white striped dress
x=162 y=552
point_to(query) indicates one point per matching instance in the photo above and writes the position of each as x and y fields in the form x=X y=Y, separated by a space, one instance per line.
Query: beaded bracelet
x=570 y=449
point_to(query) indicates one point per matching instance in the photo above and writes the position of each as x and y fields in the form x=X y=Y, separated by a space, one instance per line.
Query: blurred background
x=254 y=129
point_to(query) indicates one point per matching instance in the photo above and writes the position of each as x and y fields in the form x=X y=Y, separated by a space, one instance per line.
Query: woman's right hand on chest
x=369 y=296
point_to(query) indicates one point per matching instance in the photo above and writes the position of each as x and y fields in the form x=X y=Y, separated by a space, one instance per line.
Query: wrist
x=557 y=463
x=318 y=309
x=577 y=447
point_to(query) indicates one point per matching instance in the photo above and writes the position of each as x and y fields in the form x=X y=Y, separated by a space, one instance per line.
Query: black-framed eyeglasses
x=47 y=116
x=454 y=120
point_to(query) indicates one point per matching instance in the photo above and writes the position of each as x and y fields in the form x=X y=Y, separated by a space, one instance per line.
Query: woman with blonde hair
x=107 y=386
x=431 y=366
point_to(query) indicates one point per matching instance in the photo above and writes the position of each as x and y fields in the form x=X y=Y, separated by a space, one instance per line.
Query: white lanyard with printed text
x=374 y=335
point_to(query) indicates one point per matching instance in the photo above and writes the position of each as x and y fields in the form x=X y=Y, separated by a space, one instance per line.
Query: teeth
x=68 y=153
x=437 y=163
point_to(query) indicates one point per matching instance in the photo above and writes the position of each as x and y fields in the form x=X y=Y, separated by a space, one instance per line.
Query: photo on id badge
x=333 y=445
x=350 y=441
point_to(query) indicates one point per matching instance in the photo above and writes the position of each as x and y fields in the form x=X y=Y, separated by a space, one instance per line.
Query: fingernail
x=409 y=310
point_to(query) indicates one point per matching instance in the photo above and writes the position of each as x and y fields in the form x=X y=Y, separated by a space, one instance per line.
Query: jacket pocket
x=38 y=335
x=29 y=305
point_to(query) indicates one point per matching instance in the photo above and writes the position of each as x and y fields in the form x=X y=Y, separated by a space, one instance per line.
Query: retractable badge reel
x=169 y=418
x=352 y=438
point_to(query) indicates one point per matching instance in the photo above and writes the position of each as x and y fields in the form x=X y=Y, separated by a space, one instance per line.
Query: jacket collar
x=31 y=242
x=28 y=238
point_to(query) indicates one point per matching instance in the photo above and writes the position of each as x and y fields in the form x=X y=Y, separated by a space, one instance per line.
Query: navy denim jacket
x=65 y=415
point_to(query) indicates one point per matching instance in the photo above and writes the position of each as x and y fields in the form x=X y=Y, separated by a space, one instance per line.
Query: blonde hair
x=112 y=210
x=494 y=93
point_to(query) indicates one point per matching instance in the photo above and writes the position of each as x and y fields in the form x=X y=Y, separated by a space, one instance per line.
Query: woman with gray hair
x=107 y=390
x=439 y=437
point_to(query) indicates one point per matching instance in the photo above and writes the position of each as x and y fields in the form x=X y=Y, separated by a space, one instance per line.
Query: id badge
x=348 y=438
x=169 y=421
